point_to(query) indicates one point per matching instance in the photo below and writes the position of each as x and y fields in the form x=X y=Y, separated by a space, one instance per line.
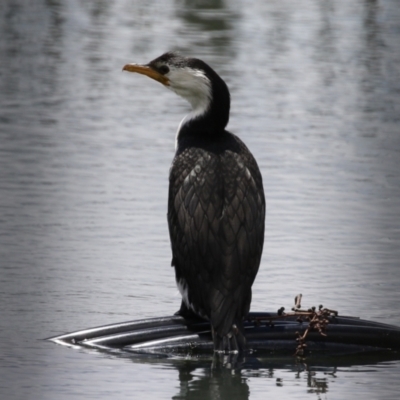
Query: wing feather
x=216 y=221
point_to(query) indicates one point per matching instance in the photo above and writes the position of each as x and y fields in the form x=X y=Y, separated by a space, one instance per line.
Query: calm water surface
x=84 y=157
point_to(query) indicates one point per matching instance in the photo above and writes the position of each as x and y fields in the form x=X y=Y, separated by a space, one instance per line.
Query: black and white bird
x=216 y=205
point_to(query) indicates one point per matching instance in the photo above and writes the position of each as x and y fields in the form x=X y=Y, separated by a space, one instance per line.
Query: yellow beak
x=145 y=70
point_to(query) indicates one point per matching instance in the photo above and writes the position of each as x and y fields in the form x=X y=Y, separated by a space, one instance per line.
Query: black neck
x=216 y=117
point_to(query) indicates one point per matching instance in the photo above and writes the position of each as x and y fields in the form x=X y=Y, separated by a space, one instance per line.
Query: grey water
x=85 y=151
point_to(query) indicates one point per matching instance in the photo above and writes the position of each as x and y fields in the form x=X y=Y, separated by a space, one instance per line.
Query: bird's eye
x=163 y=69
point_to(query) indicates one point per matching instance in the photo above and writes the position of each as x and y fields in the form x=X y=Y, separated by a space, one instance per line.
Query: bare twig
x=318 y=320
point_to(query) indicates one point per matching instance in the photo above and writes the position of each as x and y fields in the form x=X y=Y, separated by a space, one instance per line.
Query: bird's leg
x=236 y=339
x=233 y=342
x=218 y=343
x=227 y=342
x=234 y=348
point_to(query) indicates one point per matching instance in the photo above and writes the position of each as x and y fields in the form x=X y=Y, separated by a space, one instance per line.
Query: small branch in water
x=318 y=320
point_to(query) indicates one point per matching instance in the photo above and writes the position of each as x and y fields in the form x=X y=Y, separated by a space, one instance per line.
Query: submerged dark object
x=266 y=333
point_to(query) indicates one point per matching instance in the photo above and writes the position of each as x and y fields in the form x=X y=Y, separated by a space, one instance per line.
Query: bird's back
x=216 y=221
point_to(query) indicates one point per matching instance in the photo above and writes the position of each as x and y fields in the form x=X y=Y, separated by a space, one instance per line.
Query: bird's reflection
x=205 y=377
x=225 y=383
x=213 y=383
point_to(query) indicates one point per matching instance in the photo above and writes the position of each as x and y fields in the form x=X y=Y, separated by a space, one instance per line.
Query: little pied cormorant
x=216 y=205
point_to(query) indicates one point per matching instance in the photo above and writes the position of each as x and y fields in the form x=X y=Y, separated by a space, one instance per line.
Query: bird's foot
x=232 y=343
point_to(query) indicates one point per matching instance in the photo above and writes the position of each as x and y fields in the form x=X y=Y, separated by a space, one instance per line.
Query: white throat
x=194 y=86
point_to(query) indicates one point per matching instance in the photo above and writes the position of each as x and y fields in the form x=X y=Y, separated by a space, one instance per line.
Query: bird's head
x=191 y=79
